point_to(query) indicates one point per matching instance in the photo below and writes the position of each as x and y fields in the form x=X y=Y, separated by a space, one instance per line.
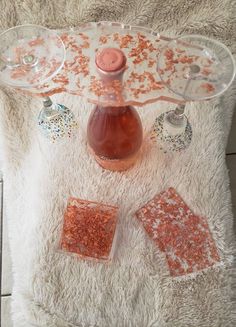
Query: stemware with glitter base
x=196 y=68
x=30 y=56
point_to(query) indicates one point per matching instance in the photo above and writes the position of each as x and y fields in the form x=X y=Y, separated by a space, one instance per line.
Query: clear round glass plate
x=30 y=55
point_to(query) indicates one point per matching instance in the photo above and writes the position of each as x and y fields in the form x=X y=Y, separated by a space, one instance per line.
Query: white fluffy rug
x=51 y=290
x=136 y=290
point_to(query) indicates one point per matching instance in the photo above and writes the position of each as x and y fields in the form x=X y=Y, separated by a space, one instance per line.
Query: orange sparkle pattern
x=89 y=229
x=140 y=83
x=25 y=72
x=184 y=237
x=138 y=48
x=61 y=79
x=101 y=88
x=206 y=71
x=175 y=57
x=147 y=83
x=123 y=40
x=37 y=41
x=176 y=68
x=103 y=39
x=208 y=87
x=142 y=50
x=79 y=63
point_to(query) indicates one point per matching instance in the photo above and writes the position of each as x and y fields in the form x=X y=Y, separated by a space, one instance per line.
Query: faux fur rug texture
x=52 y=290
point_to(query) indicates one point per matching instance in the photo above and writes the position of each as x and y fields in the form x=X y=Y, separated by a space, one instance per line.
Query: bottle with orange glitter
x=114 y=133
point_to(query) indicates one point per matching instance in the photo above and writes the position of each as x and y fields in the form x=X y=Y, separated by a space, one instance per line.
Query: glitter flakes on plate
x=58 y=123
x=184 y=237
x=89 y=229
x=141 y=83
x=167 y=142
x=32 y=55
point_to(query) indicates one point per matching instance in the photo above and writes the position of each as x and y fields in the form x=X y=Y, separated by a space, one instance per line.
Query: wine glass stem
x=179 y=111
x=177 y=116
x=48 y=108
x=47 y=102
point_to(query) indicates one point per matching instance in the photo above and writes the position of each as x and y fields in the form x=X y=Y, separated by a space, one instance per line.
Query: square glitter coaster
x=176 y=230
x=89 y=229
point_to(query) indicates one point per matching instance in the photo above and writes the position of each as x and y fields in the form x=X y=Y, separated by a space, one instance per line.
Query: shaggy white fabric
x=52 y=290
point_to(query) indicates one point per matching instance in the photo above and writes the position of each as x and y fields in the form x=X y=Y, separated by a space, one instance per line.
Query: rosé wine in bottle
x=115 y=134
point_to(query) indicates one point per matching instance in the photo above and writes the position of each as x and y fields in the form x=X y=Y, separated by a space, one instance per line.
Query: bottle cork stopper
x=110 y=60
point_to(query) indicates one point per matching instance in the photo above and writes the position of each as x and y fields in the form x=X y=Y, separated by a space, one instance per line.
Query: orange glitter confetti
x=103 y=39
x=96 y=86
x=206 y=71
x=185 y=60
x=208 y=87
x=142 y=50
x=123 y=40
x=37 y=41
x=150 y=84
x=19 y=72
x=61 y=79
x=80 y=62
x=84 y=36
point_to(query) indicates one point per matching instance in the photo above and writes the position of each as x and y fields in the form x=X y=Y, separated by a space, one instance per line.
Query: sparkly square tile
x=89 y=229
x=183 y=236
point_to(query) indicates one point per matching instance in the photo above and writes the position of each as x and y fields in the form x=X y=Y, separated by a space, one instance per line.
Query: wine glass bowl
x=196 y=67
x=30 y=55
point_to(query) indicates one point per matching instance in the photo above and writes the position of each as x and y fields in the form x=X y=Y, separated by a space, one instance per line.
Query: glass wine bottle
x=115 y=133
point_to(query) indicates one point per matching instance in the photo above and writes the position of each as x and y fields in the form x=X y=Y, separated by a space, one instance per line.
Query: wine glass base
x=58 y=123
x=168 y=142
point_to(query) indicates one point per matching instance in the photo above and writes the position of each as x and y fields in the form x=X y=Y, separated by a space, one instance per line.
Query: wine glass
x=31 y=56
x=196 y=68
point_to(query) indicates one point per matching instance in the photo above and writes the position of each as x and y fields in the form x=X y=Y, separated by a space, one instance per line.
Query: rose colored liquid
x=115 y=132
